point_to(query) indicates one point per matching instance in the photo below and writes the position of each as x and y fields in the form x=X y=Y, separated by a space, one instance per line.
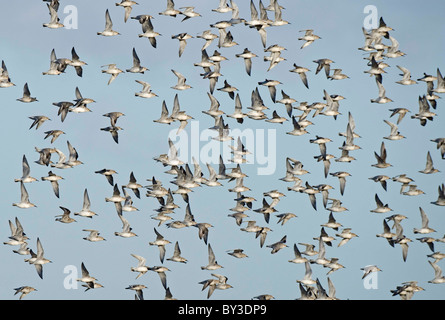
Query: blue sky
x=26 y=50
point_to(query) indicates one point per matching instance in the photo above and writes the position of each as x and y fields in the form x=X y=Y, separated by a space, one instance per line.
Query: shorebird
x=325 y=238
x=298 y=256
x=400 y=111
x=323 y=64
x=127 y=5
x=81 y=102
x=133 y=185
x=381 y=179
x=39 y=260
x=141 y=268
x=24 y=290
x=310 y=249
x=285 y=217
x=382 y=98
x=182 y=38
x=264 y=297
x=387 y=234
x=336 y=206
x=126 y=229
x=247 y=55
x=65 y=217
x=5 y=80
x=86 y=277
x=112 y=70
x=203 y=230
x=238 y=114
x=287 y=101
x=301 y=71
x=139 y=290
x=181 y=85
x=251 y=227
x=429 y=241
x=164 y=118
x=108 y=31
x=116 y=198
x=223 y=7
x=440 y=88
x=86 y=210
x=404 y=180
x=436 y=255
x=438 y=278
x=189 y=12
x=93 y=236
x=26 y=178
x=406 y=80
x=57 y=65
x=307 y=279
x=136 y=68
x=277 y=246
x=424 y=113
x=160 y=270
x=413 y=191
x=176 y=257
x=440 y=144
x=146 y=91
x=237 y=253
x=407 y=290
x=76 y=62
x=298 y=129
x=381 y=208
x=395 y=133
x=425 y=221
x=346 y=235
x=309 y=37
x=341 y=175
x=266 y=210
x=54 y=133
x=208 y=36
x=18 y=236
x=381 y=159
x=429 y=168
x=337 y=75
x=393 y=50
x=160 y=242
x=113 y=130
x=229 y=89
x=441 y=198
x=147 y=29
x=92 y=285
x=271 y=85
x=226 y=39
x=332 y=223
x=108 y=173
x=213 y=264
x=333 y=265
x=24 y=198
x=26 y=97
x=170 y=11
x=54 y=22
x=128 y=203
x=369 y=269
x=219 y=283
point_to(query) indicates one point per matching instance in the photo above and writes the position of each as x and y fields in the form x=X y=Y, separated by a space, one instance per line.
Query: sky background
x=26 y=48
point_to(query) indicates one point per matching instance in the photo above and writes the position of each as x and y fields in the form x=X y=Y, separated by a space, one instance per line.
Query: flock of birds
x=381 y=46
